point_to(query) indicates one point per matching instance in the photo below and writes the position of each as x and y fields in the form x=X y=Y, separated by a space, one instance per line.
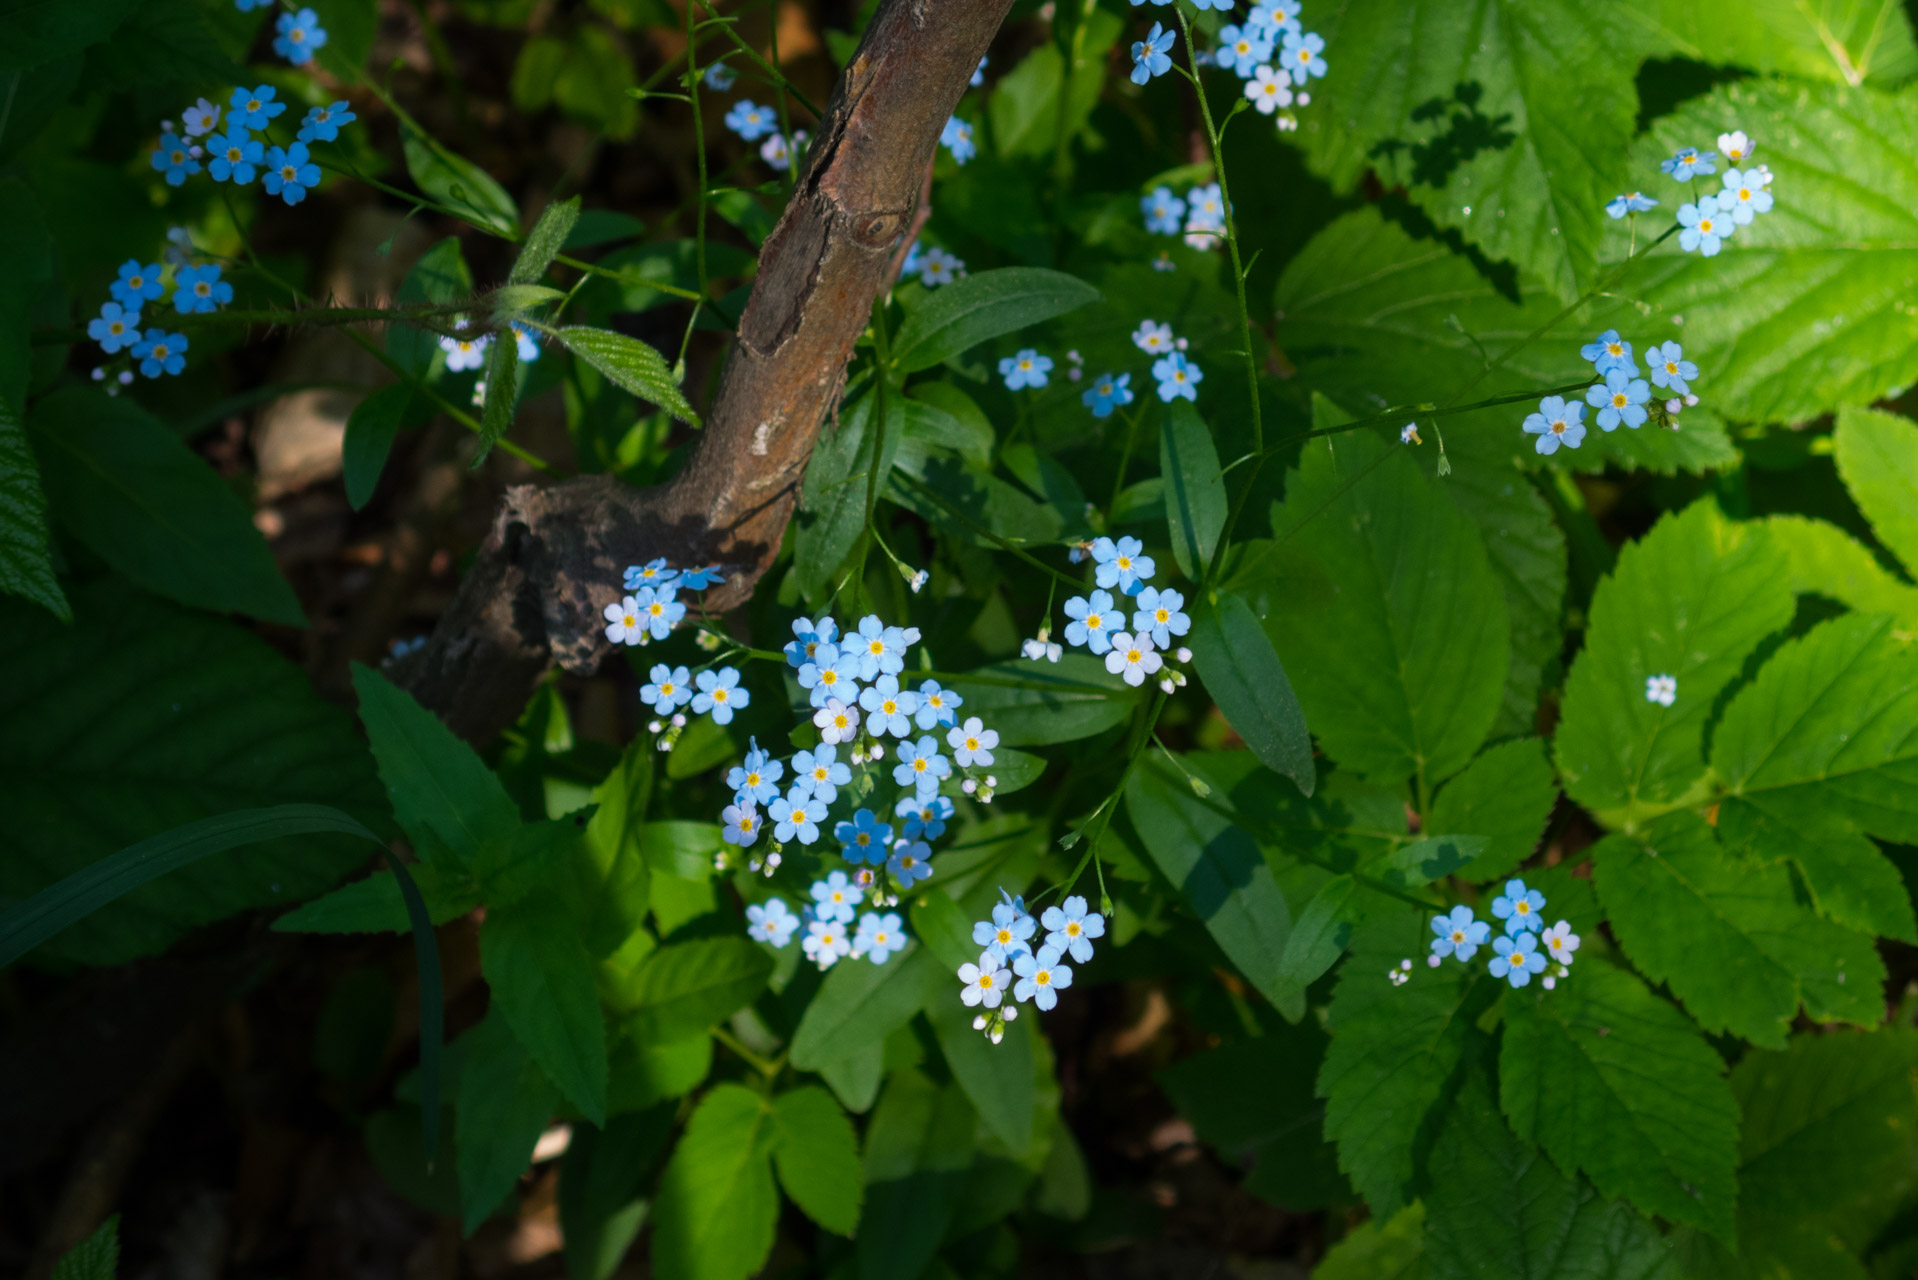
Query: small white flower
x=1735 y=147
x=1132 y=657
x=623 y=622
x=972 y=743
x=1559 y=942
x=837 y=722
x=465 y=353
x=201 y=118
x=1661 y=689
x=986 y=983
x=1152 y=338
x=1410 y=434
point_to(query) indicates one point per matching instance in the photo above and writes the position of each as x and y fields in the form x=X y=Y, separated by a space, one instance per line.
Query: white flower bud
x=1302 y=98
x=979 y=1022
x=1548 y=982
x=1184 y=654
x=968 y=786
x=1166 y=685
x=99 y=373
x=1690 y=399
x=1432 y=962
x=1674 y=405
x=1011 y=1013
x=877 y=751
x=679 y=720
x=654 y=726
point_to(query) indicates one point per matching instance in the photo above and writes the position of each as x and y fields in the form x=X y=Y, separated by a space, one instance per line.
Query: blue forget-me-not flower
x=1620 y=398
x=200 y=289
x=1609 y=352
x=1518 y=959
x=1518 y=907
x=1630 y=202
x=719 y=693
x=1177 y=377
x=1025 y=368
x=1557 y=423
x=1121 y=564
x=1151 y=56
x=1670 y=368
x=1459 y=934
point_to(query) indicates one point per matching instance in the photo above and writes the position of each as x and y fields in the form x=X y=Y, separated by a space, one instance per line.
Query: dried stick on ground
x=555 y=555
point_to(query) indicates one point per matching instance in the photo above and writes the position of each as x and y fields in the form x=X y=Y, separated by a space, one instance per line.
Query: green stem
x=773 y=73
x=941 y=500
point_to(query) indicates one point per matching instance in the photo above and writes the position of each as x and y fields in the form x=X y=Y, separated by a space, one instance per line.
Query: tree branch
x=555 y=555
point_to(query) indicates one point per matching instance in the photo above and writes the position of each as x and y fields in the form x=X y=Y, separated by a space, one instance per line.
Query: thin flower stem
x=773 y=73
x=767 y=1067
x=989 y=535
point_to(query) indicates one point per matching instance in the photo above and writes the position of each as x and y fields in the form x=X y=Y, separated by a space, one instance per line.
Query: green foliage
x=630 y=364
x=455 y=181
x=95 y=1258
x=542 y=983
x=1879 y=461
x=1242 y=672
x=503 y=1104
x=968 y=312
x=1194 y=490
x=717 y=1204
x=603 y=1189
x=817 y=1156
x=443 y=794
x=1505 y=795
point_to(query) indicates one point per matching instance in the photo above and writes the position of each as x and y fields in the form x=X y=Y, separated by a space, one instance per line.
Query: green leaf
x=1194 y=488
x=817 y=1156
x=1691 y=599
x=503 y=1105
x=1024 y=106
x=717 y=1206
x=855 y=1078
x=1385 y=609
x=511 y=300
x=632 y=365
x=862 y=1004
x=1049 y=702
x=95 y=1258
x=1497 y=1208
x=1377 y=1250
x=1827 y=561
x=1241 y=670
x=919 y=1147
x=1223 y=876
x=542 y=983
x=1821 y=750
x=26 y=562
x=1808 y=308
x=104 y=745
x=544 y=242
x=641 y=1075
x=603 y=1189
x=959 y=316
x=996 y=1077
x=940 y=923
x=1850 y=41
x=126 y=488
x=502 y=393
x=369 y=437
x=1323 y=930
x=39 y=32
x=1508 y=124
x=455 y=181
x=1374 y=318
x=350 y=28
x=832 y=497
x=440 y=276
x=1726 y=933
x=1506 y=795
x=1422 y=862
x=1616 y=1083
x=442 y=791
x=683 y=988
x=1393 y=1048
x=1878 y=457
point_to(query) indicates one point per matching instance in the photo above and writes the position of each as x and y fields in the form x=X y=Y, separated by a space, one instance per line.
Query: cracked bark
x=554 y=557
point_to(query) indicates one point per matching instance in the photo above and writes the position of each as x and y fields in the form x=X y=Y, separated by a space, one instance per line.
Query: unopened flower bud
x=877 y=751
x=679 y=720
x=968 y=786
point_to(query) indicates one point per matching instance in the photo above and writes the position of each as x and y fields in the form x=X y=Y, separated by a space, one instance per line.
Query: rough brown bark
x=555 y=555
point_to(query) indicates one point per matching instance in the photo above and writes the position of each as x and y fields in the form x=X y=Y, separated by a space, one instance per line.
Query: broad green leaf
x=95 y=1258
x=1377 y=1250
x=861 y=1004
x=1878 y=457
x=1821 y=750
x=1024 y=106
x=1506 y=795
x=1194 y=489
x=1223 y=876
x=966 y=505
x=717 y=1207
x=638 y=272
x=1807 y=309
x=1850 y=41
x=681 y=849
x=1691 y=600
x=1035 y=704
x=996 y=1077
x=1726 y=933
x=1373 y=318
x=961 y=315
x=961 y=425
x=369 y=437
x=503 y=1105
x=455 y=181
x=604 y=1189
x=1827 y=561
x=832 y=497
x=440 y=276
x=26 y=563
x=632 y=365
x=544 y=241
x=1507 y=123
x=1498 y=1207
x=919 y=1146
x=685 y=987
x=641 y=1074
x=855 y=1078
x=817 y=1156
x=1614 y=1082
x=1242 y=672
x=103 y=745
x=542 y=983
x=350 y=29
x=1386 y=611
x=1344 y=822
x=441 y=790
x=940 y=923
x=1393 y=1048
x=1422 y=862
x=126 y=488
x=502 y=393
x=1324 y=929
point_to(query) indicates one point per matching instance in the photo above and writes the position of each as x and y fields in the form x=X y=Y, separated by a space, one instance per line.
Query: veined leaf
x=717 y=1207
x=861 y=1004
x=1194 y=489
x=1506 y=795
x=1047 y=702
x=542 y=983
x=504 y=1103
x=683 y=988
x=440 y=276
x=1850 y=41
x=95 y=1258
x=631 y=364
x=1242 y=672
x=919 y=1146
x=1379 y=1250
x=502 y=393
x=833 y=493
x=817 y=1155
x=605 y=1189
x=1726 y=933
x=1878 y=457
x=455 y=181
x=1617 y=1084
x=26 y=561
x=996 y=1077
x=544 y=242
x=1691 y=600
x=369 y=437
x=1827 y=561
x=961 y=315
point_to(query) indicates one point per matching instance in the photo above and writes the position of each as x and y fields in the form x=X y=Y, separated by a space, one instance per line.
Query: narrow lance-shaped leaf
x=632 y=365
x=502 y=392
x=969 y=311
x=544 y=242
x=1195 y=504
x=1242 y=672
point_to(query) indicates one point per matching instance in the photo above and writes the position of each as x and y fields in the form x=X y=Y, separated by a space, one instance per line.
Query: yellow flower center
x=828 y=676
x=908 y=862
x=1125 y=562
x=864 y=839
x=203 y=289
x=1558 y=426
x=1042 y=977
x=655 y=608
x=1671 y=366
x=1072 y=928
x=1705 y=225
x=1615 y=349
x=1161 y=615
x=631 y=621
x=179 y=157
x=819 y=774
x=719 y=695
x=888 y=706
x=136 y=282
x=161 y=351
x=936 y=701
x=252 y=104
x=288 y=173
x=839 y=722
x=1744 y=193
x=745 y=824
x=877 y=648
x=1133 y=655
x=1005 y=936
x=1524 y=908
x=116 y=328
x=985 y=982
x=1620 y=400
x=667 y=689
x=1458 y=935
x=1094 y=622
x=752 y=779
x=972 y=744
x=919 y=765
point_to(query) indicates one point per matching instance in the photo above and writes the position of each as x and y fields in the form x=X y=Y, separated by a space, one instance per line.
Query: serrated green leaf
x=1323 y=930
x=632 y=365
x=502 y=394
x=95 y=1258
x=26 y=562
x=1691 y=599
x=439 y=786
x=1377 y=1250
x=832 y=497
x=1818 y=751
x=961 y=315
x=1194 y=489
x=1506 y=795
x=1497 y=1207
x=1827 y=561
x=1223 y=876
x=1878 y=457
x=996 y=1077
x=640 y=1075
x=125 y=487
x=503 y=1105
x=1393 y=1048
x=604 y=1189
x=817 y=1156
x=1726 y=933
x=1385 y=610
x=104 y=745
x=861 y=1004
x=1850 y=41
x=1615 y=1083
x=455 y=181
x=683 y=988
x=544 y=241
x=717 y=1207
x=1242 y=671
x=542 y=983
x=377 y=904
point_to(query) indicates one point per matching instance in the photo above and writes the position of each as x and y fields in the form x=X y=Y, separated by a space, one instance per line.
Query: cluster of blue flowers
x=1710 y=220
x=649 y=612
x=1270 y=50
x=1199 y=215
x=237 y=156
x=1522 y=952
x=1621 y=396
x=755 y=123
x=1099 y=622
x=1009 y=965
x=157 y=352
